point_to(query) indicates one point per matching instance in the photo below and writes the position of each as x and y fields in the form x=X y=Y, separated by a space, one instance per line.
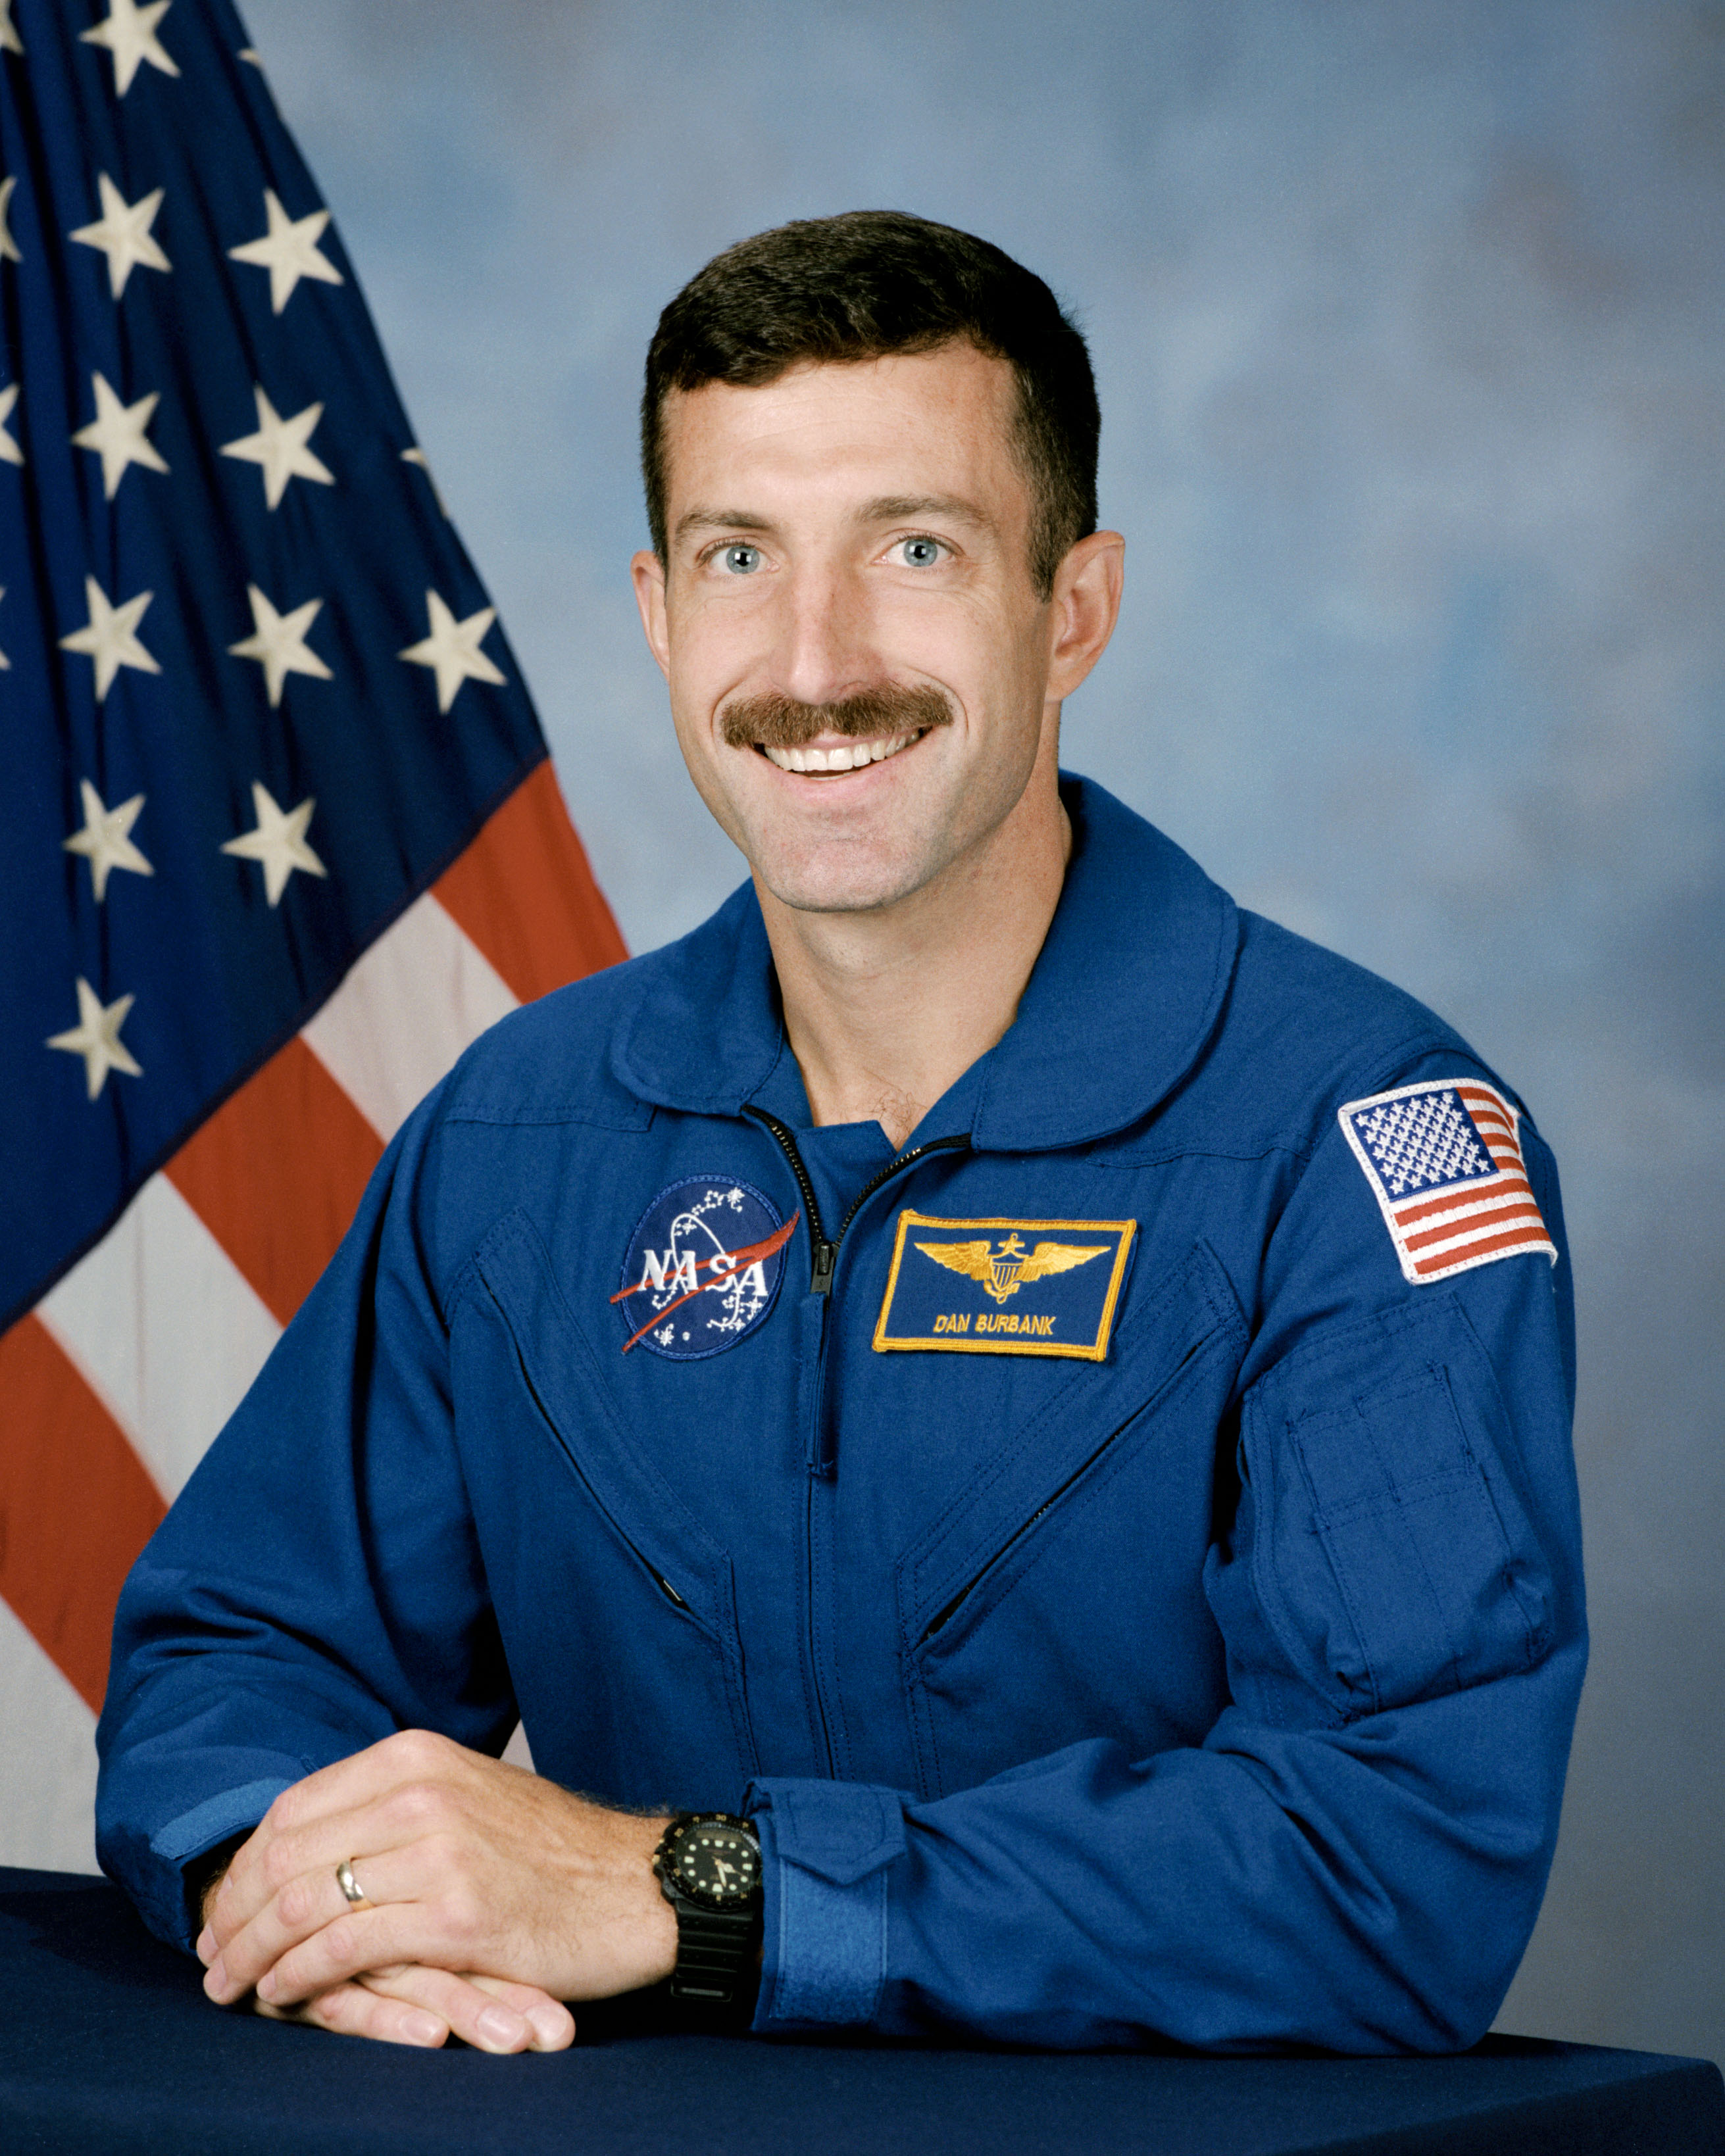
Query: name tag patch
x=1004 y=1287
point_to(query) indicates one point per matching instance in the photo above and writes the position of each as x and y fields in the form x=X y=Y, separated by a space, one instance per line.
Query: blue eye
x=920 y=553
x=742 y=561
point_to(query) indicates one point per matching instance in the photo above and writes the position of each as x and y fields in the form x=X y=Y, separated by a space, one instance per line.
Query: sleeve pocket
x=1403 y=1559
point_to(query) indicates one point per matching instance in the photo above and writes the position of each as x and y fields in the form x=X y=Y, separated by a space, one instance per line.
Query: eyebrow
x=721 y=519
x=894 y=508
x=885 y=509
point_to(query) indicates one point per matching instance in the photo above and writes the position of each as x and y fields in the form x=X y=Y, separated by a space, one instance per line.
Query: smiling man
x=1006 y=1421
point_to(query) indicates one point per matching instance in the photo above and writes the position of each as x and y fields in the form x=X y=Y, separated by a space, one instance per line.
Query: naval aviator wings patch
x=1004 y=1287
x=1444 y=1160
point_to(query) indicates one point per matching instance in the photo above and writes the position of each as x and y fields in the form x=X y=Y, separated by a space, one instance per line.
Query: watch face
x=718 y=1865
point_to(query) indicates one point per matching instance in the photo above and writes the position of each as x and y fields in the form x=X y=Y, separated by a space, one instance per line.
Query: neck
x=885 y=1009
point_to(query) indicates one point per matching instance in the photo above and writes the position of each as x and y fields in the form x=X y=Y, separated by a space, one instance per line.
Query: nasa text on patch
x=1444 y=1162
x=703 y=1268
x=1004 y=1287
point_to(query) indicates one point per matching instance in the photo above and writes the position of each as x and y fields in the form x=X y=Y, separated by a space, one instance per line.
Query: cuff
x=826 y=1847
x=184 y=1841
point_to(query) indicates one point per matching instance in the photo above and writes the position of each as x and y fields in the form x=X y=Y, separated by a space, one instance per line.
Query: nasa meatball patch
x=703 y=1268
x=1444 y=1159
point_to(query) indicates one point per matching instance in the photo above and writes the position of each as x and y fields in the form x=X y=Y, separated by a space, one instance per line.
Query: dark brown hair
x=837 y=289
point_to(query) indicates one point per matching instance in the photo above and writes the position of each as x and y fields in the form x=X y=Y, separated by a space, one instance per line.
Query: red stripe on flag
x=1483 y=1246
x=1475 y=1193
x=523 y=892
x=76 y=1507
x=1450 y=1229
x=1489 y=1117
x=275 y=1174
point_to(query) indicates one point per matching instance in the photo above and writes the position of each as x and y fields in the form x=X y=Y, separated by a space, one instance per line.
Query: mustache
x=777 y=722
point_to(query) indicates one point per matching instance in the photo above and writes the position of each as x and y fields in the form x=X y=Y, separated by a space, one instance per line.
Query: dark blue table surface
x=107 y=2044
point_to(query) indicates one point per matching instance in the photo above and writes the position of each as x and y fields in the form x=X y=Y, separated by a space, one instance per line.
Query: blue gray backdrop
x=1408 y=320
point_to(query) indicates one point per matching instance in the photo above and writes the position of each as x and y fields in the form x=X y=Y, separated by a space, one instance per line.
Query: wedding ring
x=349 y=1885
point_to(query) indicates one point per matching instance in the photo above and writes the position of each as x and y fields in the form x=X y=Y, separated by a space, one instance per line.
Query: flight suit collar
x=1126 y=990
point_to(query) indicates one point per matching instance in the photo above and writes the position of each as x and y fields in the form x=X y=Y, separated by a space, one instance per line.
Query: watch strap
x=718 y=1950
x=715 y=1955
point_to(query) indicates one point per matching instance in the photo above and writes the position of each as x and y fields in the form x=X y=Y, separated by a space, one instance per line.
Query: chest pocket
x=646 y=1588
x=1057 y=1598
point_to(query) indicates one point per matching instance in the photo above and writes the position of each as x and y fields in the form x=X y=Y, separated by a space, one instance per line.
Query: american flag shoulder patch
x=1444 y=1159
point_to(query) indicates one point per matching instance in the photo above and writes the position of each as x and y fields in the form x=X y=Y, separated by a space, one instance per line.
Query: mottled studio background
x=1408 y=320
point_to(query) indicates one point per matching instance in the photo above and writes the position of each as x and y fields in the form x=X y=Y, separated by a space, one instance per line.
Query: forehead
x=908 y=424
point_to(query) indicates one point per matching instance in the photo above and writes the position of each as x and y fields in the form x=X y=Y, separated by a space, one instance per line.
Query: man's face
x=853 y=532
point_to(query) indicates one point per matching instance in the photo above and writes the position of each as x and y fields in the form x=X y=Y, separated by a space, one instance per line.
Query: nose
x=825 y=647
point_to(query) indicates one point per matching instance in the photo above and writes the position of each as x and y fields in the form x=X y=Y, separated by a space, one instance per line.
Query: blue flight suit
x=1196 y=1660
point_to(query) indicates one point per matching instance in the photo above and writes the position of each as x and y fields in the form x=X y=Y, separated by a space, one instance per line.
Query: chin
x=814 y=885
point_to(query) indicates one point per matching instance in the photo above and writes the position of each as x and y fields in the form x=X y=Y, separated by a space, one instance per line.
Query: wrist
x=641 y=1930
x=658 y=1917
x=203 y=1877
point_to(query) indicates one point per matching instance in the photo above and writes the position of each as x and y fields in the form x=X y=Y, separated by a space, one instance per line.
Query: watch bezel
x=680 y=1837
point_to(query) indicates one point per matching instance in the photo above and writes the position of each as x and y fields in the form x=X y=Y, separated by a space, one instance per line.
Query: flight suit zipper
x=818 y=1449
x=824 y=1254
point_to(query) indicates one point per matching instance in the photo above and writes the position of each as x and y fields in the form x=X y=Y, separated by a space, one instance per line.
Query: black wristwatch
x=708 y=1865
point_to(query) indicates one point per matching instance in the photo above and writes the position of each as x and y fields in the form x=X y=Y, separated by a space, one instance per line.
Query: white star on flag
x=289 y=251
x=10 y=453
x=122 y=232
x=96 y=1038
x=105 y=841
x=416 y=455
x=452 y=649
x=8 y=245
x=111 y=637
x=279 y=842
x=278 y=643
x=130 y=35
x=116 y=434
x=5 y=663
x=279 y=445
x=10 y=41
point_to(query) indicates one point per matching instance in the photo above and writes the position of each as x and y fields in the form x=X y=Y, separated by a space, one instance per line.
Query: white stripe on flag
x=47 y=1766
x=412 y=1002
x=166 y=1329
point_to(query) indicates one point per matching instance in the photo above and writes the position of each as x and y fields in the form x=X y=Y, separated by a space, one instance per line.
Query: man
x=1040 y=1399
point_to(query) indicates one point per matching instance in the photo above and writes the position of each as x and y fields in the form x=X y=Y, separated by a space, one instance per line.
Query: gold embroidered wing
x=969 y=1259
x=1059 y=1258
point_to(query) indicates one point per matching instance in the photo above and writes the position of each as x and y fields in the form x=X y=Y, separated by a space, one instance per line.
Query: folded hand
x=490 y=1894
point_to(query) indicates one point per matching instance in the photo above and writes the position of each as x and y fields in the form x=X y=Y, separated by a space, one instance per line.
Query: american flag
x=1444 y=1163
x=278 y=836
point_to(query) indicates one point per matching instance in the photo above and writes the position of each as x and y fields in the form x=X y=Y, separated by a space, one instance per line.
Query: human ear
x=1083 y=608
x=647 y=572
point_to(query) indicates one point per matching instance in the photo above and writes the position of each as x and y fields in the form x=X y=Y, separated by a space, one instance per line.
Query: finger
x=483 y=2011
x=341 y=1952
x=299 y=1908
x=354 y=1945
x=351 y=2009
x=554 y=2025
x=380 y=1799
x=282 y=1851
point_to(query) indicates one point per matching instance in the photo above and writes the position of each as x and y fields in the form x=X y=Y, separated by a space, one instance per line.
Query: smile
x=848 y=755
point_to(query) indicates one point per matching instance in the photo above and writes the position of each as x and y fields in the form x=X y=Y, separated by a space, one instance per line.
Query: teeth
x=848 y=755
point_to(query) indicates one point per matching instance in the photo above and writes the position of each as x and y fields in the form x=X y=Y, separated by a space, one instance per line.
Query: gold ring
x=349 y=1885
